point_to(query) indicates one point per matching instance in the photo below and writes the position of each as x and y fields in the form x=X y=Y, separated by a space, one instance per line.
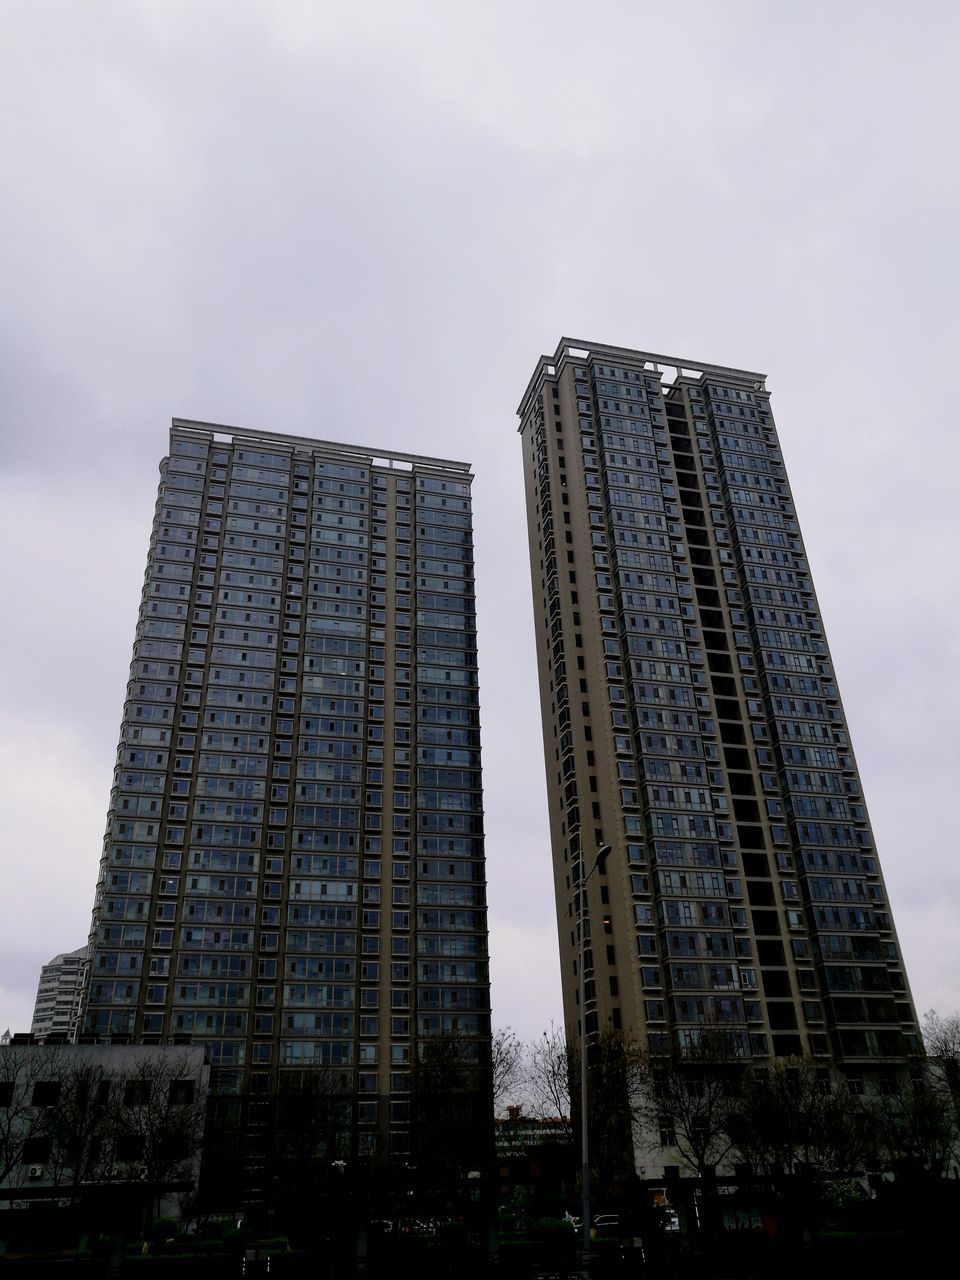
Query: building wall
x=91 y=1119
x=691 y=719
x=293 y=869
x=58 y=994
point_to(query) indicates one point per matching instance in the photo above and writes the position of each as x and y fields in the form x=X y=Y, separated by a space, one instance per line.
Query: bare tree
x=157 y=1122
x=507 y=1067
x=24 y=1072
x=311 y=1117
x=450 y=1102
x=941 y=1038
x=80 y=1125
x=916 y=1123
x=791 y=1115
x=686 y=1100
x=615 y=1066
x=846 y=1142
x=88 y=1123
x=773 y=1125
x=303 y=1129
x=551 y=1062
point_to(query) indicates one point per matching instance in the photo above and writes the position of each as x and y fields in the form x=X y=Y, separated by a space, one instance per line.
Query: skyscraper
x=58 y=995
x=692 y=720
x=293 y=869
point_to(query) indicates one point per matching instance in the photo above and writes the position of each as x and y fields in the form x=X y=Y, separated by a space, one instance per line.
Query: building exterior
x=116 y=1126
x=536 y=1153
x=293 y=868
x=58 y=995
x=692 y=720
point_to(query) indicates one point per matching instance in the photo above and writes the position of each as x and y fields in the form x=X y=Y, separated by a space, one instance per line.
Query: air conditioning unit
x=35 y=1171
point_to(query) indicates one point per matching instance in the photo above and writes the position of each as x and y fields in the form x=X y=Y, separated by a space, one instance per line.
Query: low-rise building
x=82 y=1123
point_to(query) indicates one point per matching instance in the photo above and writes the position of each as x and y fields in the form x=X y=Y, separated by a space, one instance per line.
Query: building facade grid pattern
x=692 y=720
x=293 y=867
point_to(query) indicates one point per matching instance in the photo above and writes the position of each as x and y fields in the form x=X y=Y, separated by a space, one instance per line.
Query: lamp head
x=603 y=853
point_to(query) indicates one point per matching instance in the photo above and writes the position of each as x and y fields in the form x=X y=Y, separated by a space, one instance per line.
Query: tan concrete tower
x=691 y=719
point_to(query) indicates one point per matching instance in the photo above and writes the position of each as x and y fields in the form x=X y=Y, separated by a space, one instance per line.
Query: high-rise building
x=58 y=995
x=293 y=867
x=692 y=721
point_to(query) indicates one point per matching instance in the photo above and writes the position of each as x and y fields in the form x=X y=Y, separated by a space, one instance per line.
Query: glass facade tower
x=293 y=868
x=692 y=720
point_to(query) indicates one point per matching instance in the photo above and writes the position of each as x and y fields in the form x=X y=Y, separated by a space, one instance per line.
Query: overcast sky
x=365 y=221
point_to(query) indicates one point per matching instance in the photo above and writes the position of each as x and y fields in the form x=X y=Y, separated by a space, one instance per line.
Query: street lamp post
x=602 y=854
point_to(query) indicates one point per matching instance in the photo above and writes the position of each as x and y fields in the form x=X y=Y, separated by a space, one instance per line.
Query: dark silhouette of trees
x=78 y=1121
x=941 y=1038
x=915 y=1124
x=451 y=1104
x=82 y=1126
x=156 y=1123
x=507 y=1053
x=797 y=1124
x=23 y=1122
x=550 y=1065
x=686 y=1099
x=792 y=1114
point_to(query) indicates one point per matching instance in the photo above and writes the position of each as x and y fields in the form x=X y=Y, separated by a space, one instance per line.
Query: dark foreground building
x=293 y=869
x=692 y=720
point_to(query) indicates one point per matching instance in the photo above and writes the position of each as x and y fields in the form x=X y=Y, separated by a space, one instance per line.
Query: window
x=136 y=1093
x=46 y=1093
x=36 y=1150
x=129 y=1147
